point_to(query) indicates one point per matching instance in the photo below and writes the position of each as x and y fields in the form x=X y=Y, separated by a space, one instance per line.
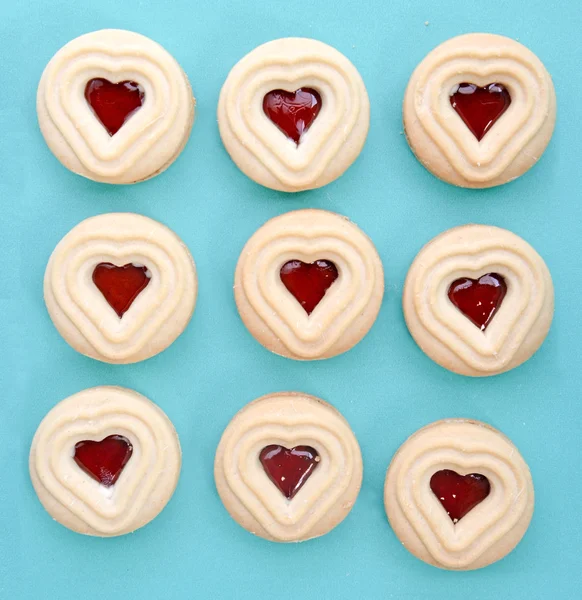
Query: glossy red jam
x=120 y=286
x=459 y=494
x=114 y=103
x=104 y=460
x=292 y=112
x=478 y=299
x=288 y=468
x=308 y=282
x=480 y=107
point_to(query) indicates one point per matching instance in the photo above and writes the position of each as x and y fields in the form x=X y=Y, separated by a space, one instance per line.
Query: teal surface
x=385 y=386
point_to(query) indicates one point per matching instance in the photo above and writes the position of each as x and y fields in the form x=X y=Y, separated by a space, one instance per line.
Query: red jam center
x=480 y=107
x=120 y=286
x=478 y=299
x=459 y=493
x=308 y=282
x=289 y=469
x=114 y=103
x=292 y=112
x=104 y=460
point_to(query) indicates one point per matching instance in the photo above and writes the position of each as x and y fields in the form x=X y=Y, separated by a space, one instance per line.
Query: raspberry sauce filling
x=459 y=494
x=480 y=107
x=292 y=112
x=120 y=286
x=288 y=468
x=114 y=103
x=478 y=299
x=105 y=460
x=308 y=282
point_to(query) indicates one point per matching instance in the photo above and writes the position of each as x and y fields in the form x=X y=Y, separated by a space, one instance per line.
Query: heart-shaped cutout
x=480 y=107
x=105 y=460
x=308 y=282
x=459 y=494
x=478 y=299
x=292 y=112
x=120 y=286
x=114 y=103
x=289 y=469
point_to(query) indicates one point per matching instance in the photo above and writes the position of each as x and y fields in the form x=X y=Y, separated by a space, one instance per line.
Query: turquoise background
x=385 y=386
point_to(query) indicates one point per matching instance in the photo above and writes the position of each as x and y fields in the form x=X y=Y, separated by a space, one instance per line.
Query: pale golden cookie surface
x=519 y=325
x=347 y=310
x=81 y=502
x=293 y=421
x=440 y=139
x=492 y=528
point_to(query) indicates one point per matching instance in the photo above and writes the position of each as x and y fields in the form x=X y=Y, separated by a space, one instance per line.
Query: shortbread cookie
x=478 y=300
x=309 y=284
x=294 y=114
x=105 y=461
x=114 y=106
x=459 y=495
x=288 y=467
x=120 y=287
x=479 y=110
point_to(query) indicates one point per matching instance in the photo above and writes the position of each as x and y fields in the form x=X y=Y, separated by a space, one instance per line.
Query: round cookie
x=478 y=300
x=459 y=495
x=294 y=114
x=309 y=284
x=105 y=461
x=120 y=287
x=479 y=110
x=288 y=467
x=115 y=107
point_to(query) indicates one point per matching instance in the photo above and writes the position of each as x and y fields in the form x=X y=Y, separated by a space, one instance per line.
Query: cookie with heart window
x=120 y=287
x=309 y=284
x=105 y=461
x=458 y=494
x=288 y=467
x=478 y=300
x=114 y=106
x=294 y=114
x=479 y=110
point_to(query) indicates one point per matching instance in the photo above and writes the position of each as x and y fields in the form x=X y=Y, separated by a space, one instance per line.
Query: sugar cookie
x=294 y=114
x=309 y=284
x=478 y=300
x=288 y=467
x=120 y=287
x=479 y=110
x=114 y=106
x=459 y=495
x=105 y=461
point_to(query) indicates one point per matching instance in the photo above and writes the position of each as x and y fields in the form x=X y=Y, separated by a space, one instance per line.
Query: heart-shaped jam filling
x=459 y=493
x=288 y=468
x=120 y=286
x=292 y=112
x=104 y=460
x=114 y=103
x=480 y=107
x=478 y=299
x=308 y=282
